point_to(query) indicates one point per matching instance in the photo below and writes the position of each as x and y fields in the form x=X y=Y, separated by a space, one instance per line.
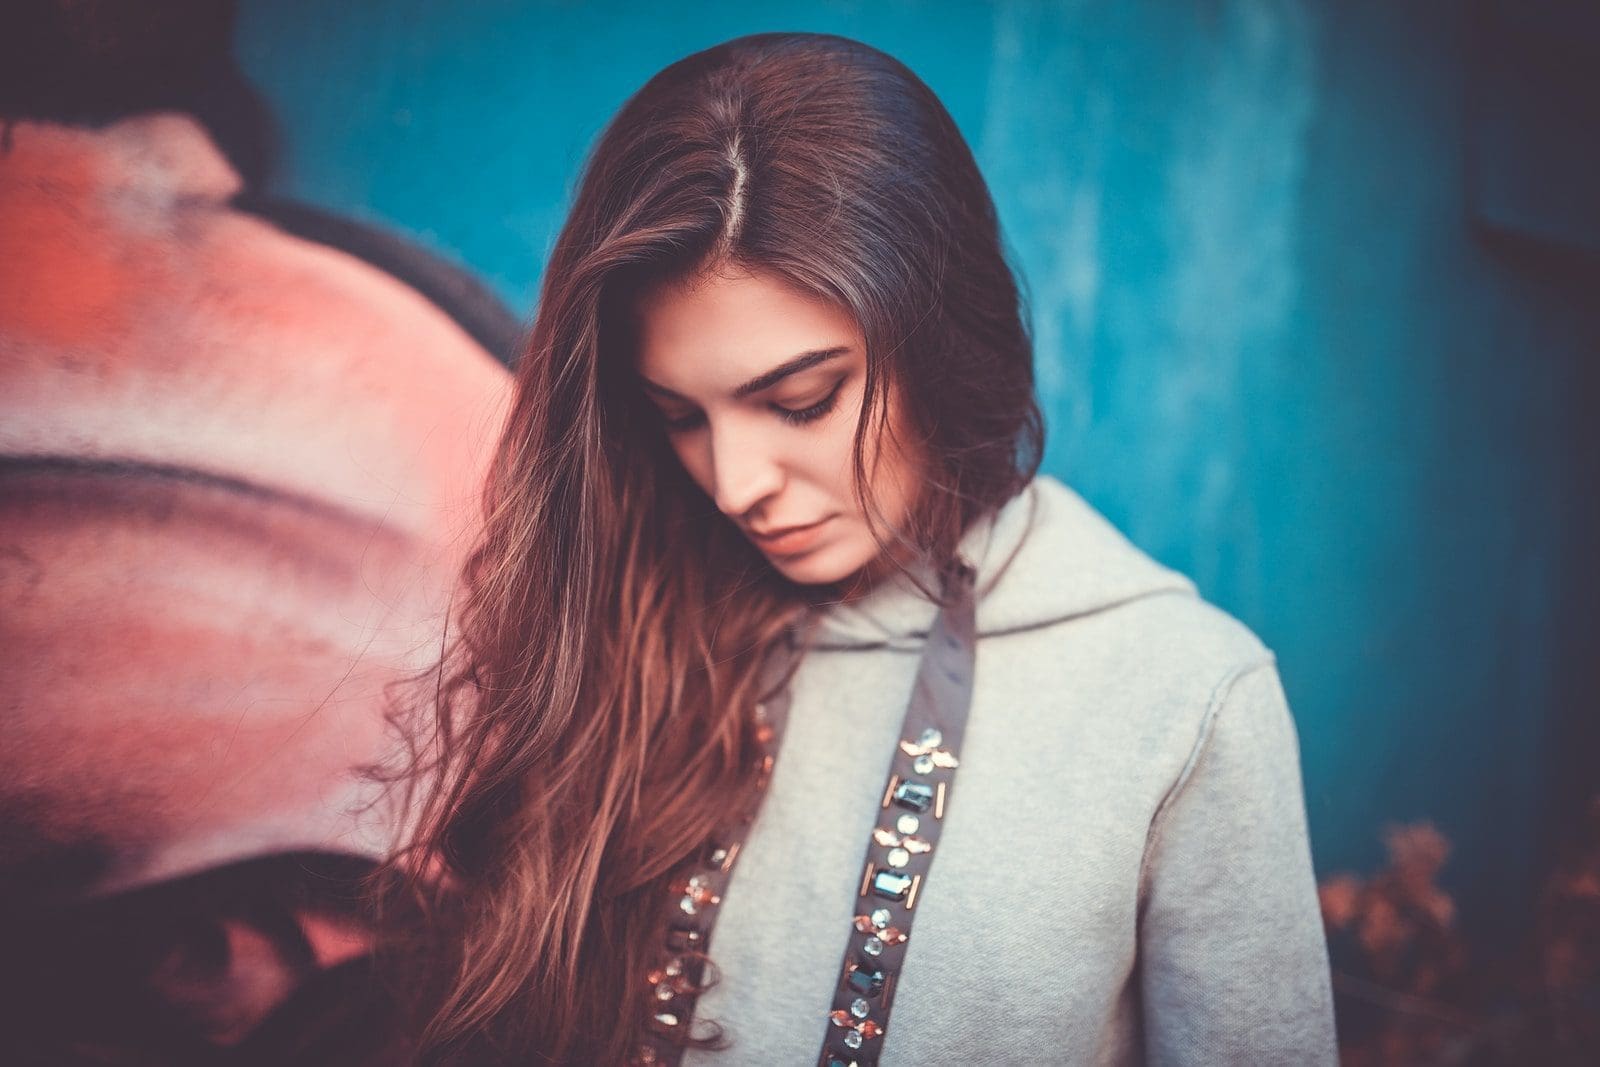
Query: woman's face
x=759 y=388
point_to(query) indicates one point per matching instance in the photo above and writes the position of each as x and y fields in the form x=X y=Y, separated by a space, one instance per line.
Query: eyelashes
x=815 y=411
x=792 y=416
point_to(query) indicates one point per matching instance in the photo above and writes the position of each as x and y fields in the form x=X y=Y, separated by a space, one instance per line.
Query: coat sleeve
x=1233 y=958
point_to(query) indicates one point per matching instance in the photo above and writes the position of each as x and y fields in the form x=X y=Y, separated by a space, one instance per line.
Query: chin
x=825 y=566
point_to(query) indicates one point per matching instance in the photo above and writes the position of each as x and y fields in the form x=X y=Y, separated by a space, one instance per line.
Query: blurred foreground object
x=238 y=472
x=1409 y=991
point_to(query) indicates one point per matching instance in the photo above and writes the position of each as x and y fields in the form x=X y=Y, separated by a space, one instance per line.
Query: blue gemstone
x=867 y=981
x=917 y=796
x=891 y=885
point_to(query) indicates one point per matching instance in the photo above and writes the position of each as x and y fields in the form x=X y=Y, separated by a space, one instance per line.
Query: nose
x=745 y=469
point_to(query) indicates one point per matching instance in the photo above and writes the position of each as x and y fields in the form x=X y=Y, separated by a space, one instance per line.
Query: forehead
x=714 y=332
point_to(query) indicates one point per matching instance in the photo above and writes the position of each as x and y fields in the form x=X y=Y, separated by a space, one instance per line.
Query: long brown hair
x=587 y=725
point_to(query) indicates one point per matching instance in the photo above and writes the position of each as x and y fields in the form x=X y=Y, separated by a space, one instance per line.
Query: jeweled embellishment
x=891 y=885
x=877 y=924
x=889 y=839
x=860 y=1008
x=683 y=938
x=868 y=981
x=670 y=980
x=927 y=752
x=855 y=1031
x=907 y=824
x=897 y=857
x=697 y=894
x=917 y=796
x=872 y=946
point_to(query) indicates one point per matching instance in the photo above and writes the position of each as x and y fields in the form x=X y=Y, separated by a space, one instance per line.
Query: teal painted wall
x=1273 y=344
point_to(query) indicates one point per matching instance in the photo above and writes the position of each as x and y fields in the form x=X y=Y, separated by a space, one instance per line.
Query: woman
x=773 y=626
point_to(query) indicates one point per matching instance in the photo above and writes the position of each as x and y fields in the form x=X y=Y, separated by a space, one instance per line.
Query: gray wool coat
x=1124 y=875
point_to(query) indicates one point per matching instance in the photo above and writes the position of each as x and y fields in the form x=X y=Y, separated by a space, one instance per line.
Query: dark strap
x=898 y=857
x=911 y=812
x=696 y=897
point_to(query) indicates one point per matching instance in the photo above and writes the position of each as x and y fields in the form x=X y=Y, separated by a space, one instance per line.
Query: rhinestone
x=698 y=893
x=870 y=1029
x=864 y=980
x=681 y=938
x=917 y=796
x=930 y=738
x=872 y=946
x=891 y=885
x=673 y=968
x=860 y=1008
x=907 y=824
x=718 y=857
x=688 y=906
x=922 y=764
x=664 y=992
x=840 y=1018
x=835 y=1061
x=852 y=1038
x=666 y=1018
x=881 y=918
x=898 y=857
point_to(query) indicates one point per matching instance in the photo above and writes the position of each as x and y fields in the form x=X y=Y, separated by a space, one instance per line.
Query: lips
x=788 y=540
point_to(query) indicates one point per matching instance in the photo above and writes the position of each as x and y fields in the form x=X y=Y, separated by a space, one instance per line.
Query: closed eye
x=793 y=416
x=812 y=413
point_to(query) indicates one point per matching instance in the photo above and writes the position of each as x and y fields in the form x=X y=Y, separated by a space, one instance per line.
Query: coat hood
x=1044 y=556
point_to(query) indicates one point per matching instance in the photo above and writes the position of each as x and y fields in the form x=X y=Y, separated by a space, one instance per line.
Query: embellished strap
x=697 y=890
x=896 y=866
x=901 y=851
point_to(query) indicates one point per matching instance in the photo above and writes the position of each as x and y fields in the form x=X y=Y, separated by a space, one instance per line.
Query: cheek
x=832 y=451
x=897 y=461
x=830 y=455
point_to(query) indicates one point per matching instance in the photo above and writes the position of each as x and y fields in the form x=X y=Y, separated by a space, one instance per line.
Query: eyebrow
x=803 y=361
